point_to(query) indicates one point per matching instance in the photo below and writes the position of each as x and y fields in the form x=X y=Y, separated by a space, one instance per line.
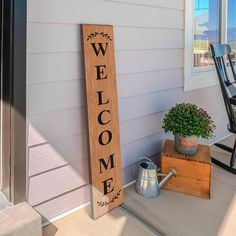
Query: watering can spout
x=162 y=183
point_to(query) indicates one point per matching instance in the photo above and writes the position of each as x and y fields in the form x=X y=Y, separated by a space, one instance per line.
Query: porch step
x=3 y=202
x=20 y=220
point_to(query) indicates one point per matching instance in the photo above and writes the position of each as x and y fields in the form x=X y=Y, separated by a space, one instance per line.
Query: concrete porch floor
x=173 y=213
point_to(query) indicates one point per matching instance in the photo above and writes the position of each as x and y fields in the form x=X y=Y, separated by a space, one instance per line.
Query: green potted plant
x=188 y=122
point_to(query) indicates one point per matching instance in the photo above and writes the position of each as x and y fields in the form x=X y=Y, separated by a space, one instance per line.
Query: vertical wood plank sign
x=103 y=123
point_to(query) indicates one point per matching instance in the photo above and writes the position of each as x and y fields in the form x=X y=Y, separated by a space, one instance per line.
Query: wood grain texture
x=102 y=106
x=193 y=187
x=202 y=155
x=193 y=172
x=187 y=168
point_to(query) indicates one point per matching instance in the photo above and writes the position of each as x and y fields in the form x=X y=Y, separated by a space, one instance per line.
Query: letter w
x=100 y=48
x=105 y=165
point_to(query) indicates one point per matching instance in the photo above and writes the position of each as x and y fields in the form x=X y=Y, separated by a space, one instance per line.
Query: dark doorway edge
x=14 y=97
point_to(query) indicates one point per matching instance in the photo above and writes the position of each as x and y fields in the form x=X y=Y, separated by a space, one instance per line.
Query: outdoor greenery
x=187 y=119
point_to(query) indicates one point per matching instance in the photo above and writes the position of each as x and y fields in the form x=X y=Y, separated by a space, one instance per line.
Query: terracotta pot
x=186 y=145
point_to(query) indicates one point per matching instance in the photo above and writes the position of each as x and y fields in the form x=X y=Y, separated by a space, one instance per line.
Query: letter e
x=107 y=186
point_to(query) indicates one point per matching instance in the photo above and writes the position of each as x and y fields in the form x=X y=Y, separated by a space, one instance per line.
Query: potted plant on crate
x=188 y=122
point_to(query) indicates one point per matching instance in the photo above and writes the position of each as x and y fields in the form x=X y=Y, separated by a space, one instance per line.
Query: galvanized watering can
x=147 y=183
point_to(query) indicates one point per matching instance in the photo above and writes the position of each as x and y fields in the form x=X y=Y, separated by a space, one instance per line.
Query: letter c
x=100 y=120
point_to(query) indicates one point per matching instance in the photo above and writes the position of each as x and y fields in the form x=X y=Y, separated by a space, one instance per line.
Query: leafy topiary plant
x=187 y=119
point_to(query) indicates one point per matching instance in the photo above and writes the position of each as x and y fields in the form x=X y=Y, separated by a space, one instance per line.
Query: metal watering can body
x=147 y=182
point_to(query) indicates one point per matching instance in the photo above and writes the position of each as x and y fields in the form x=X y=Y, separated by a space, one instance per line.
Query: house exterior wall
x=149 y=43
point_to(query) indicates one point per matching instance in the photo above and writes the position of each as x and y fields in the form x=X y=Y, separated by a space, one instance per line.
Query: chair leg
x=232 y=160
x=233 y=156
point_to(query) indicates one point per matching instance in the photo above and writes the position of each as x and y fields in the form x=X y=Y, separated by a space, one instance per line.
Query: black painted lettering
x=107 y=186
x=99 y=49
x=109 y=162
x=101 y=137
x=100 y=119
x=101 y=72
x=100 y=98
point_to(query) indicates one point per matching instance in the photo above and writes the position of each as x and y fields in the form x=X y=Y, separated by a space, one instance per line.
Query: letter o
x=100 y=138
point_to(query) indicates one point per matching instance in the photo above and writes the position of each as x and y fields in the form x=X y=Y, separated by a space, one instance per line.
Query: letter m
x=99 y=49
x=105 y=165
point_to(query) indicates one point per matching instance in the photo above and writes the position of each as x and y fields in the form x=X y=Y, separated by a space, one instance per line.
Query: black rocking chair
x=222 y=56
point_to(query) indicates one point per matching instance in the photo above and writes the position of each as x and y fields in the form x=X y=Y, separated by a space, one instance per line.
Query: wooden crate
x=193 y=172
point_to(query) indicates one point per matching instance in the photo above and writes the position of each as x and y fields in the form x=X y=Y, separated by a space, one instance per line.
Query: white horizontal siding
x=149 y=82
x=127 y=85
x=103 y=12
x=54 y=67
x=69 y=150
x=55 y=96
x=149 y=44
x=143 y=105
x=57 y=182
x=173 y=4
x=45 y=67
x=74 y=147
x=63 y=123
x=55 y=125
x=61 y=152
x=63 y=203
x=148 y=60
x=56 y=38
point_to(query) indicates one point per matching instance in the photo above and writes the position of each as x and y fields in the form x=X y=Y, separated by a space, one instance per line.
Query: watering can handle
x=131 y=170
x=146 y=158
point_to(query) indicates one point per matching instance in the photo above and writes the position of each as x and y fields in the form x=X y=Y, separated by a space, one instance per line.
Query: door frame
x=13 y=99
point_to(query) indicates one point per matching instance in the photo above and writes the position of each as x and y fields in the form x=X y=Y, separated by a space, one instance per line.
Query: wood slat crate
x=193 y=172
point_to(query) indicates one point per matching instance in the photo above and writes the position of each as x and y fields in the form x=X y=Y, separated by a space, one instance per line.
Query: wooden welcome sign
x=103 y=123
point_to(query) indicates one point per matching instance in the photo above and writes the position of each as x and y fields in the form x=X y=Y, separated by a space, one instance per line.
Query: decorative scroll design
x=95 y=34
x=102 y=204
